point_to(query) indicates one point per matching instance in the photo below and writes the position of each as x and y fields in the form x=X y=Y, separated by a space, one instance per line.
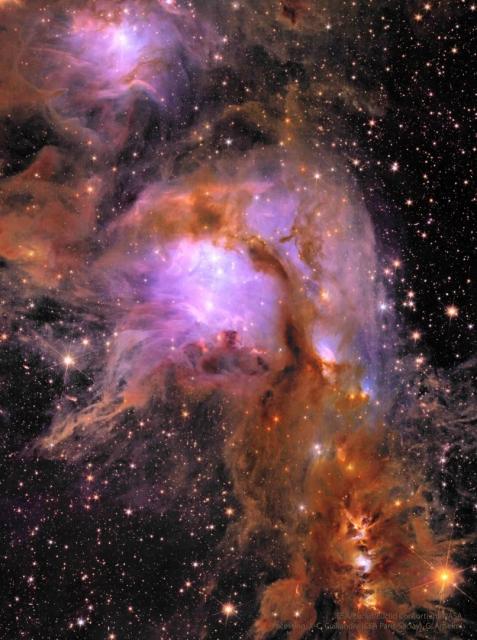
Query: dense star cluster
x=237 y=343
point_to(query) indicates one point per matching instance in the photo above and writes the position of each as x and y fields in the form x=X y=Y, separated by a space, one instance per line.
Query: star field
x=237 y=333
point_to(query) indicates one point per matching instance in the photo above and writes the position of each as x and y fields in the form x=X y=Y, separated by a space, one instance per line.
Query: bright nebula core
x=236 y=359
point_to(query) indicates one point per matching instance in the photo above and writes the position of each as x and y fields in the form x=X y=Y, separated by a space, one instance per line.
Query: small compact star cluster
x=237 y=343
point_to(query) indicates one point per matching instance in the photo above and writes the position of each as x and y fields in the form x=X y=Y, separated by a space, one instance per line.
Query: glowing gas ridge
x=130 y=50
